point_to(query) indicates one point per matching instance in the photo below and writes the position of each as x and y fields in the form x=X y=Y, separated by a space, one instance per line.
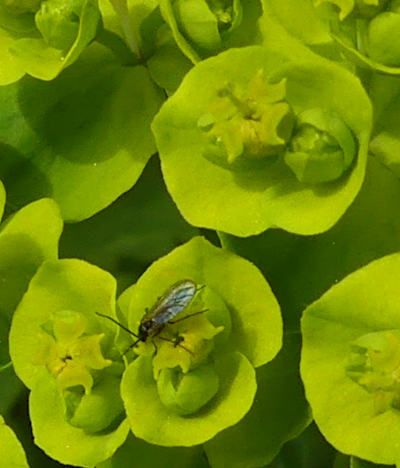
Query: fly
x=174 y=301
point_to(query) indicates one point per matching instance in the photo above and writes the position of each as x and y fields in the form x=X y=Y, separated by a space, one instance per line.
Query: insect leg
x=130 y=347
x=188 y=316
x=176 y=344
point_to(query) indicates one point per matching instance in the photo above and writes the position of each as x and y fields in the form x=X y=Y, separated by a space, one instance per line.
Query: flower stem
x=5 y=366
x=131 y=35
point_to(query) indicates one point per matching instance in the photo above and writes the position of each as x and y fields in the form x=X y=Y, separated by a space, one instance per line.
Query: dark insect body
x=167 y=307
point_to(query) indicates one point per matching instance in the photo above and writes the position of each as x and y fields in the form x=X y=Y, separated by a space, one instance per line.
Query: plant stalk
x=130 y=33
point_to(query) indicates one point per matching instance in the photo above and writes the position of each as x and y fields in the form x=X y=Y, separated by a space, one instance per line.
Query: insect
x=167 y=307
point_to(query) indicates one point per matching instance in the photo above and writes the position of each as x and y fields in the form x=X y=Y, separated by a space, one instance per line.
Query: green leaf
x=62 y=441
x=167 y=66
x=352 y=412
x=46 y=57
x=116 y=242
x=10 y=69
x=109 y=17
x=301 y=20
x=280 y=412
x=21 y=6
x=266 y=194
x=11 y=452
x=27 y=238
x=154 y=456
x=358 y=463
x=343 y=7
x=363 y=61
x=59 y=285
x=364 y=32
x=83 y=138
x=167 y=11
x=153 y=422
x=315 y=263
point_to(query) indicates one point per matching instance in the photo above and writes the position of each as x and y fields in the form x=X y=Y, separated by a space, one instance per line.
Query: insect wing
x=174 y=301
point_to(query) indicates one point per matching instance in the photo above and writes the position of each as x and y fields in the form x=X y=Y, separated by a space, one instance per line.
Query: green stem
x=362 y=35
x=5 y=366
x=113 y=42
x=131 y=35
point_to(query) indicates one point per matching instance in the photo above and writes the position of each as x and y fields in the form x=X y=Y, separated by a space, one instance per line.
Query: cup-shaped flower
x=367 y=31
x=264 y=137
x=65 y=354
x=42 y=38
x=27 y=238
x=58 y=22
x=195 y=375
x=350 y=362
x=204 y=27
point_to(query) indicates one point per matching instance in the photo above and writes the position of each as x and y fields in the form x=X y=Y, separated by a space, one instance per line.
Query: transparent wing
x=174 y=301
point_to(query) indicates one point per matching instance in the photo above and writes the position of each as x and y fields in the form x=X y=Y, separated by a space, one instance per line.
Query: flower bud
x=203 y=21
x=322 y=147
x=384 y=38
x=187 y=393
x=58 y=22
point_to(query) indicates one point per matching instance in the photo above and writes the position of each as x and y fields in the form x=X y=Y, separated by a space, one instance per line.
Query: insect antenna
x=119 y=324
